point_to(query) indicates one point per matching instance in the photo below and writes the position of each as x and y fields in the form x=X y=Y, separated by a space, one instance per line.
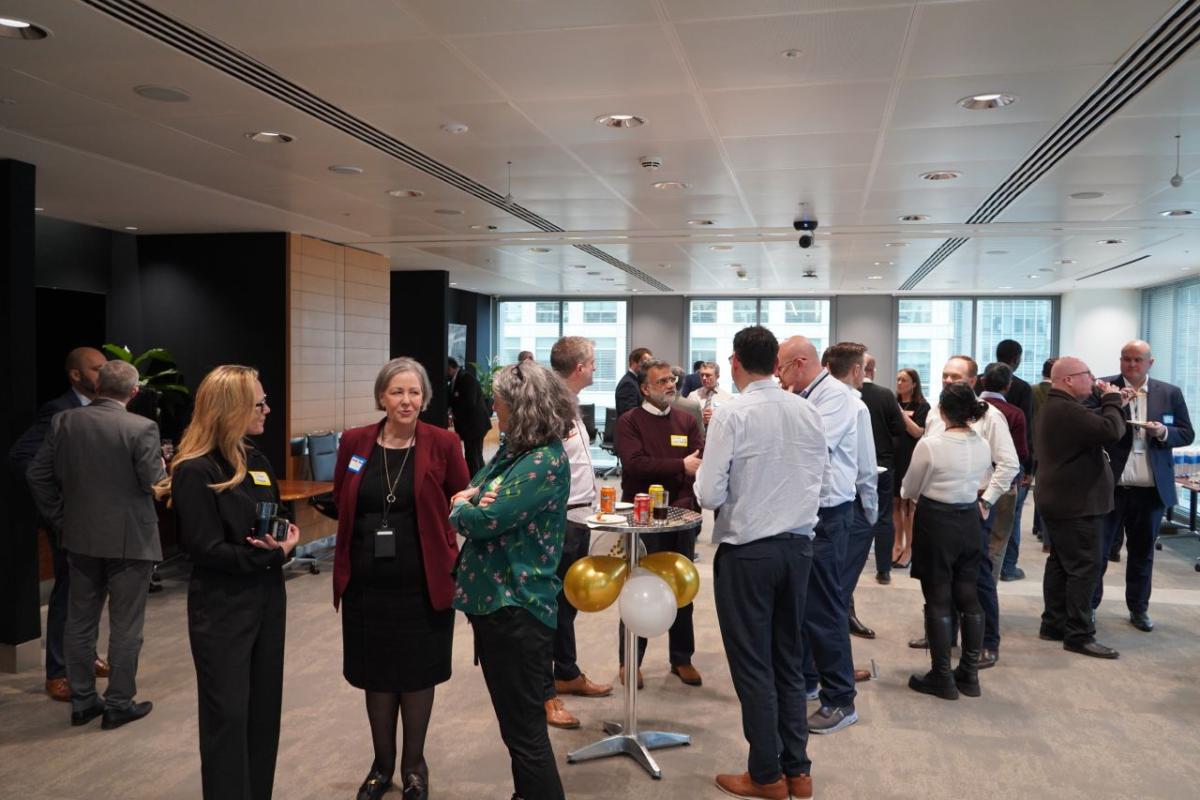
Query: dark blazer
x=26 y=447
x=628 y=394
x=93 y=480
x=1164 y=400
x=1074 y=479
x=887 y=421
x=439 y=471
x=471 y=417
x=1020 y=394
x=691 y=382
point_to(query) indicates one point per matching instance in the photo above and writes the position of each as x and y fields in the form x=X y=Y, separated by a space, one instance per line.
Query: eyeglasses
x=1087 y=372
x=261 y=405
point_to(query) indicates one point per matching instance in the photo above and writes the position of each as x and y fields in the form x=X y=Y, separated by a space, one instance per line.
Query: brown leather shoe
x=59 y=689
x=557 y=715
x=641 y=679
x=102 y=668
x=687 y=673
x=800 y=787
x=862 y=675
x=744 y=786
x=582 y=687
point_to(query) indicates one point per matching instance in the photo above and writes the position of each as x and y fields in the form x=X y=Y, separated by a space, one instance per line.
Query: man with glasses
x=710 y=393
x=660 y=444
x=1143 y=467
x=1074 y=491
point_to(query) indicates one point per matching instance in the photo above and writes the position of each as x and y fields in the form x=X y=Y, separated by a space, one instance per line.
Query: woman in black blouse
x=236 y=601
x=916 y=410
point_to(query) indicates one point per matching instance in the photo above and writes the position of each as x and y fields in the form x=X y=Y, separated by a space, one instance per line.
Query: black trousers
x=760 y=590
x=681 y=638
x=862 y=534
x=237 y=632
x=473 y=451
x=1072 y=570
x=564 y=668
x=56 y=616
x=513 y=649
x=1138 y=511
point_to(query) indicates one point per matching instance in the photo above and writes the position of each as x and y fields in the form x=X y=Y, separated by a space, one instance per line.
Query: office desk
x=290 y=490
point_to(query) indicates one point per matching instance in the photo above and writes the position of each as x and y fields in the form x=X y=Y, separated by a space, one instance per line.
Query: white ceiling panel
x=466 y=17
x=801 y=152
x=799 y=109
x=683 y=10
x=1011 y=141
x=669 y=117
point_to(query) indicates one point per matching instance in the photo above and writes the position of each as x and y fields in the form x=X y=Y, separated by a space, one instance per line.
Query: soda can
x=641 y=509
x=608 y=499
x=656 y=493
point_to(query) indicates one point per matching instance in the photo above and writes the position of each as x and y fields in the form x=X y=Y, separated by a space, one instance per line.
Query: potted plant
x=484 y=372
x=161 y=394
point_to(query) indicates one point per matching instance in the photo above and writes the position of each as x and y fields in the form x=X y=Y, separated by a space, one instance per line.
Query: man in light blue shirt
x=826 y=621
x=764 y=463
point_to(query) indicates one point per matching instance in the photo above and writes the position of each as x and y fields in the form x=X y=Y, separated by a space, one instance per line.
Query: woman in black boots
x=944 y=475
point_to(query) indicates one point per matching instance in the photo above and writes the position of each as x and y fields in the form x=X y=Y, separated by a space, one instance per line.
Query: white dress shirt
x=1137 y=467
x=839 y=410
x=764 y=462
x=84 y=400
x=867 y=481
x=993 y=428
x=583 y=476
x=947 y=467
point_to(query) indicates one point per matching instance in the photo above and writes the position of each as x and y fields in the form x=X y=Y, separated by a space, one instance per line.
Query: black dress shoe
x=919 y=644
x=415 y=787
x=883 y=578
x=860 y=630
x=1141 y=620
x=987 y=658
x=375 y=785
x=1093 y=649
x=117 y=718
x=87 y=715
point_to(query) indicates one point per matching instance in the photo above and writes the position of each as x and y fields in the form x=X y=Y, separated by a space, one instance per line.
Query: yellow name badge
x=260 y=478
x=678 y=440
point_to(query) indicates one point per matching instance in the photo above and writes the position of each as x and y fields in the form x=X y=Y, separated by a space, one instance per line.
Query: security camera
x=650 y=162
x=805 y=241
x=808 y=226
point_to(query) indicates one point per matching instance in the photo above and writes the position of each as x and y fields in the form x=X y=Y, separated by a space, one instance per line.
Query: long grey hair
x=540 y=406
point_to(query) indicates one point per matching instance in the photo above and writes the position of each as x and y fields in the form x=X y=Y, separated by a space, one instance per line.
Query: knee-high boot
x=939 y=681
x=966 y=677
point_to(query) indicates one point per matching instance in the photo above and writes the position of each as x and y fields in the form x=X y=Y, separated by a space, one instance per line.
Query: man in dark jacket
x=1020 y=394
x=1075 y=493
x=628 y=395
x=472 y=421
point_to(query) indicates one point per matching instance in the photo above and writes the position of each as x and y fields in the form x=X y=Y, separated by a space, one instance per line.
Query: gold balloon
x=593 y=583
x=678 y=571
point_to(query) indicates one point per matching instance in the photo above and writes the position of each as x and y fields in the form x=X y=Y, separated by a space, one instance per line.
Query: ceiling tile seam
x=714 y=133
x=1164 y=30
x=249 y=70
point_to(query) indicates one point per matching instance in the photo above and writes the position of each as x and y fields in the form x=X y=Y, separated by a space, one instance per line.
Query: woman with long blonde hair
x=219 y=483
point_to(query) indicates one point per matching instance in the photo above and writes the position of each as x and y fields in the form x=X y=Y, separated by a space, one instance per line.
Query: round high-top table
x=624 y=737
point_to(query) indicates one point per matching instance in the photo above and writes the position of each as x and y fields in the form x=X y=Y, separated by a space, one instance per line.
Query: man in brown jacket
x=1074 y=493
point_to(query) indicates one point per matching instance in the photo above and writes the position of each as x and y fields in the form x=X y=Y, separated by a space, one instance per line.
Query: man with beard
x=661 y=444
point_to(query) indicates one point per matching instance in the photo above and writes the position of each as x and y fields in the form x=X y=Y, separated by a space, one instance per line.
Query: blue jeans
x=1014 y=542
x=827 y=657
x=863 y=533
x=986 y=587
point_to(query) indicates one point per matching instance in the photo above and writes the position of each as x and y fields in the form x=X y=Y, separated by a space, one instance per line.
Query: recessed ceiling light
x=940 y=175
x=131 y=227
x=345 y=169
x=997 y=252
x=448 y=212
x=162 y=94
x=895 y=244
x=1086 y=195
x=610 y=280
x=455 y=128
x=701 y=222
x=484 y=228
x=1031 y=276
x=988 y=100
x=721 y=248
x=269 y=137
x=579 y=266
x=670 y=185
x=913 y=217
x=20 y=29
x=874 y=277
x=405 y=193
x=1065 y=261
x=881 y=263
x=1177 y=212
x=664 y=266
x=791 y=53
x=1046 y=269
x=539 y=249
x=620 y=121
x=1003 y=287
x=593 y=273
x=1110 y=241
x=637 y=290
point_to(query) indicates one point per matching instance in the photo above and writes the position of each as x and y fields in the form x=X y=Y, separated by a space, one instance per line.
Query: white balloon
x=647 y=605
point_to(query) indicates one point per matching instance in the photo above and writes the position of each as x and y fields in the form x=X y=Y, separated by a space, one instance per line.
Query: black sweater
x=1074 y=479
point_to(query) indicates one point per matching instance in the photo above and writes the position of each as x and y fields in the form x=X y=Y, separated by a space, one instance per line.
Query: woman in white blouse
x=944 y=476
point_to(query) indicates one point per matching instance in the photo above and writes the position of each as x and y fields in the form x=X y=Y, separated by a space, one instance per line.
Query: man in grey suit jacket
x=93 y=482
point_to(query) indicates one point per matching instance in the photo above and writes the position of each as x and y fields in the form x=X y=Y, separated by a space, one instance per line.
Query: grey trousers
x=124 y=583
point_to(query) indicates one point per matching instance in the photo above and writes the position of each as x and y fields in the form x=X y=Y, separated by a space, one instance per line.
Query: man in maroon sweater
x=660 y=444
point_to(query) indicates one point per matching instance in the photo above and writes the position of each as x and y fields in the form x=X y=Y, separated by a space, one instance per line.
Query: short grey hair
x=540 y=406
x=714 y=366
x=117 y=380
x=393 y=368
x=648 y=364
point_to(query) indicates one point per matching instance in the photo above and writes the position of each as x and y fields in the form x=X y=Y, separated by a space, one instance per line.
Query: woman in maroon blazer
x=392 y=569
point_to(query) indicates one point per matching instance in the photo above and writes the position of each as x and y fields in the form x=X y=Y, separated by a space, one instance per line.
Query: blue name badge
x=356 y=463
x=1168 y=419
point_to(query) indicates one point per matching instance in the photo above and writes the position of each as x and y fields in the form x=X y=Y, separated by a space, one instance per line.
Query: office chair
x=322 y=458
x=588 y=414
x=608 y=443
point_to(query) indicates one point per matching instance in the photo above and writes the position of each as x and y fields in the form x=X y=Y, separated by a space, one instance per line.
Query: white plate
x=606 y=519
x=621 y=505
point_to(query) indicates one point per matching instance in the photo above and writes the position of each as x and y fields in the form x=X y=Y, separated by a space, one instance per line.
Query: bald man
x=1143 y=467
x=1074 y=491
x=83 y=372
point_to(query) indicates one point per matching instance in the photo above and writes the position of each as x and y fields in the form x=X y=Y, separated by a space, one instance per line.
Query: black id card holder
x=385 y=543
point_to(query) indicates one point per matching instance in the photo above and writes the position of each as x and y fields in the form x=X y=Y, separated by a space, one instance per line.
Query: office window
x=790 y=317
x=599 y=312
x=715 y=322
x=702 y=349
x=796 y=312
x=929 y=332
x=1171 y=324
x=1029 y=321
x=704 y=311
x=541 y=349
x=527 y=325
x=513 y=312
x=548 y=312
x=745 y=312
x=607 y=360
x=510 y=349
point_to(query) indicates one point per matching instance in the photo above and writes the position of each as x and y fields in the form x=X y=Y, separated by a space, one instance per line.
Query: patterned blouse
x=514 y=545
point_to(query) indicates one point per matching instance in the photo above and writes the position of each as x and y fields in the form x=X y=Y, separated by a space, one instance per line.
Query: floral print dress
x=514 y=545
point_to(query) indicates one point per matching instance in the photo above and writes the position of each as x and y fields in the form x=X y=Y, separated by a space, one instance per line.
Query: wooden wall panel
x=337 y=337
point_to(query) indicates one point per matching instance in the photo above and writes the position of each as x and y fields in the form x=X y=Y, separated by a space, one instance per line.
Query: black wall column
x=420 y=304
x=20 y=623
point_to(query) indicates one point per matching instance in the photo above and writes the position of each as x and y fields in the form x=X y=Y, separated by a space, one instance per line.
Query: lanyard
x=813 y=388
x=389 y=485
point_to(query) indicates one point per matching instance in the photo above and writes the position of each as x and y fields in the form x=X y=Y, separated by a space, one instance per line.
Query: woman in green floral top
x=514 y=518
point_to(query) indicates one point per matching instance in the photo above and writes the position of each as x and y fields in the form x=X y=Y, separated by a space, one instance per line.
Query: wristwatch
x=986 y=505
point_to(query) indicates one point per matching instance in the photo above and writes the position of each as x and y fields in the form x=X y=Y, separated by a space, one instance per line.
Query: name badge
x=356 y=463
x=679 y=440
x=260 y=478
x=1168 y=419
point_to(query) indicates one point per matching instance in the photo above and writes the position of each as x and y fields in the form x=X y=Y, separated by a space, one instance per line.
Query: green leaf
x=118 y=352
x=155 y=354
x=174 y=387
x=164 y=374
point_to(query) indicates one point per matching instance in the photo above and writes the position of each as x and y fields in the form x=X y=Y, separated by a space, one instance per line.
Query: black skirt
x=393 y=640
x=947 y=543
